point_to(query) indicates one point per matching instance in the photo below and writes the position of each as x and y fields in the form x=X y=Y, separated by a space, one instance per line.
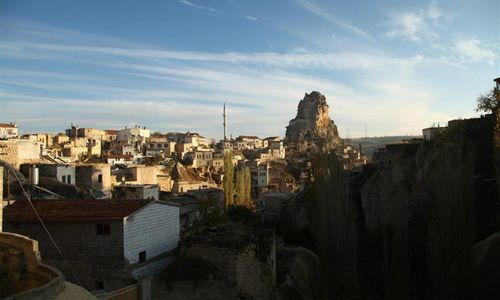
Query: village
x=117 y=202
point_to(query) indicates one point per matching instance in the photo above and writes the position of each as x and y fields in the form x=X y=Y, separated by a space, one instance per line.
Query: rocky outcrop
x=312 y=129
x=424 y=206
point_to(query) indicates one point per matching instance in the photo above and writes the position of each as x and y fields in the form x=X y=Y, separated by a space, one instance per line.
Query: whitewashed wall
x=154 y=229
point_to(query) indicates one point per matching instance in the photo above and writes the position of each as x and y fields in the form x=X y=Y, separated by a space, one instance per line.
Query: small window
x=99 y=178
x=64 y=178
x=142 y=256
x=103 y=229
x=68 y=179
x=99 y=285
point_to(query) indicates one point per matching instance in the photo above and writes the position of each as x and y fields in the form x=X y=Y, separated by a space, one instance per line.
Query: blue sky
x=397 y=66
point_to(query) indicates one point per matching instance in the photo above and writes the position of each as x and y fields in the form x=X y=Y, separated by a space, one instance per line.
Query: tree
x=228 y=181
x=243 y=187
x=487 y=102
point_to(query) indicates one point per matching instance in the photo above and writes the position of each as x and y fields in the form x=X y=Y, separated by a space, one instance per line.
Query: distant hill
x=370 y=144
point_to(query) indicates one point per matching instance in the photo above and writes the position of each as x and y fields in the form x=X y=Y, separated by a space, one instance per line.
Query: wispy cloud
x=189 y=3
x=187 y=88
x=252 y=18
x=320 y=11
x=348 y=60
x=415 y=25
x=472 y=50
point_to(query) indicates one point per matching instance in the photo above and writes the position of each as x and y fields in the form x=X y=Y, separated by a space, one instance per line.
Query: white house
x=132 y=134
x=8 y=131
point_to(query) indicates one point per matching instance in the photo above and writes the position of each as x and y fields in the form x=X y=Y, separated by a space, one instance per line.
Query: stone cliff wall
x=312 y=128
x=425 y=205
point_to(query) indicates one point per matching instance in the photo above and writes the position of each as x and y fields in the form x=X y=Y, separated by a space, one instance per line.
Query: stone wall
x=90 y=256
x=144 y=174
x=16 y=152
x=252 y=268
x=31 y=278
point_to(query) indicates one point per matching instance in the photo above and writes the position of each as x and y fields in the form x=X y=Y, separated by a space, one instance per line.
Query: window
x=99 y=178
x=99 y=285
x=142 y=256
x=64 y=178
x=68 y=178
x=103 y=229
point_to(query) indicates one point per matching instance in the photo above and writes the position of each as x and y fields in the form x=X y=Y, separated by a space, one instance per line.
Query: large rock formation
x=312 y=129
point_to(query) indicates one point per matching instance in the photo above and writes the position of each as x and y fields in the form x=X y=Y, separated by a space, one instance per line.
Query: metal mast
x=225 y=122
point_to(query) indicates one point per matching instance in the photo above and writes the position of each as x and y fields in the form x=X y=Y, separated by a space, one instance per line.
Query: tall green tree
x=248 y=187
x=228 y=181
x=243 y=187
x=240 y=187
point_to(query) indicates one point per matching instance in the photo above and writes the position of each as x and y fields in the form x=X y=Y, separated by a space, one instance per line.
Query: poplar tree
x=240 y=188
x=228 y=182
x=248 y=187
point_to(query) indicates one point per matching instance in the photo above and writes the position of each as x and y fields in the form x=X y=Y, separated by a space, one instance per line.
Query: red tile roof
x=71 y=210
x=6 y=125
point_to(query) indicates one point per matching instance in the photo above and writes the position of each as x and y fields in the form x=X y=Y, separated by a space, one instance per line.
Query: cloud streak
x=197 y=6
x=320 y=11
x=183 y=90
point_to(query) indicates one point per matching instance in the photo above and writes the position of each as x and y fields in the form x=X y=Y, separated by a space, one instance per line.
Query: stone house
x=431 y=132
x=60 y=139
x=136 y=191
x=96 y=178
x=17 y=152
x=91 y=133
x=192 y=138
x=8 y=131
x=133 y=134
x=129 y=149
x=105 y=243
x=218 y=164
x=113 y=159
x=159 y=145
x=183 y=148
x=201 y=159
x=110 y=135
x=45 y=138
x=260 y=176
x=276 y=149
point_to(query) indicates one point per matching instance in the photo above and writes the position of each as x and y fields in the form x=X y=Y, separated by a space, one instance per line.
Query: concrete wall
x=154 y=229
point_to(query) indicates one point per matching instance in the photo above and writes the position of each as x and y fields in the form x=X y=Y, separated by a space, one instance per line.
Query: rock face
x=312 y=129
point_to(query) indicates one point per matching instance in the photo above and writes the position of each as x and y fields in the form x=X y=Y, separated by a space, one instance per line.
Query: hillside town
x=143 y=189
x=249 y=150
x=134 y=214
